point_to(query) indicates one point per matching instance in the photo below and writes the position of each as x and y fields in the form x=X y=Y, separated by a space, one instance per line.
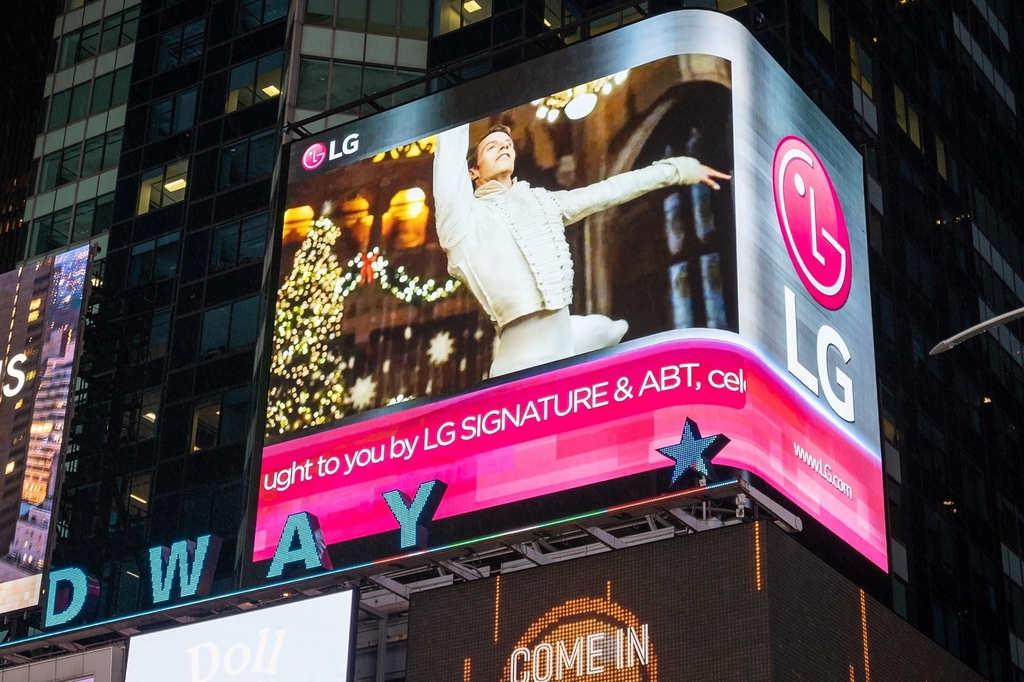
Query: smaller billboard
x=40 y=320
x=307 y=640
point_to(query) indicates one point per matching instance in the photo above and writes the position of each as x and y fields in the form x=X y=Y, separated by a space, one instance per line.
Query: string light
x=308 y=386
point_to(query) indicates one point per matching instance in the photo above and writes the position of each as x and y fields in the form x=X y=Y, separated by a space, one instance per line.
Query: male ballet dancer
x=506 y=241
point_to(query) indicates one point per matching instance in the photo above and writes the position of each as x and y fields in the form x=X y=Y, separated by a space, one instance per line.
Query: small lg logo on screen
x=812 y=222
x=314 y=156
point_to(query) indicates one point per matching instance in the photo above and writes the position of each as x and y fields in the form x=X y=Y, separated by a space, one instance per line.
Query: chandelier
x=579 y=101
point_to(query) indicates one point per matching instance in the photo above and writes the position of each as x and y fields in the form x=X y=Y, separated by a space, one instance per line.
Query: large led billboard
x=312 y=639
x=741 y=603
x=542 y=292
x=40 y=323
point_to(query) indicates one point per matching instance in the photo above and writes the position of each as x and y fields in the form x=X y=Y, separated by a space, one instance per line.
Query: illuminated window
x=140 y=421
x=162 y=187
x=9 y=469
x=180 y=45
x=35 y=304
x=33 y=316
x=907 y=117
x=254 y=82
x=455 y=14
x=138 y=495
x=861 y=69
x=940 y=157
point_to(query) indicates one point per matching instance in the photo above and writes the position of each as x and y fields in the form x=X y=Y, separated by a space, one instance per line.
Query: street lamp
x=943 y=346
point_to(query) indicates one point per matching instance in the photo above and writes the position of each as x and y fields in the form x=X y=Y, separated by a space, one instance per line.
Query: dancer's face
x=495 y=159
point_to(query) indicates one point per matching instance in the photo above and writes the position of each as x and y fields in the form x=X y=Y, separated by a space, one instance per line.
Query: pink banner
x=587 y=423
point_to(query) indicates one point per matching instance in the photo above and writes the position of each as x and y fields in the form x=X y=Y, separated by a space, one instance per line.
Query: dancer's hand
x=708 y=175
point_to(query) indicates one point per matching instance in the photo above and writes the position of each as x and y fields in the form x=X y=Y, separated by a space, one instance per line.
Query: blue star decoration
x=694 y=453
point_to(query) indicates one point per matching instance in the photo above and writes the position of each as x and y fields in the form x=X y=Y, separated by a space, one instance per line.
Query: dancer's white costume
x=507 y=244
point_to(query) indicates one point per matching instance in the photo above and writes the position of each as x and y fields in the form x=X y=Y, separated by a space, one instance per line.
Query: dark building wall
x=25 y=44
x=741 y=603
x=164 y=421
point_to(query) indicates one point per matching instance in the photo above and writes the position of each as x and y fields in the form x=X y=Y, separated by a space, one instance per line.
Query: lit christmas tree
x=307 y=387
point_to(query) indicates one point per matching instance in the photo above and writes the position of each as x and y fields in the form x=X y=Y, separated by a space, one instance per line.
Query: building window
x=69 y=106
x=255 y=13
x=119 y=29
x=907 y=117
x=101 y=152
x=146 y=416
x=163 y=186
x=940 y=157
x=455 y=14
x=153 y=260
x=50 y=232
x=229 y=327
x=254 y=82
x=180 y=45
x=79 y=45
x=159 y=333
x=377 y=16
x=860 y=68
x=220 y=419
x=247 y=159
x=239 y=241
x=820 y=13
x=92 y=217
x=59 y=167
x=172 y=115
x=110 y=90
x=138 y=495
x=90 y=40
x=324 y=84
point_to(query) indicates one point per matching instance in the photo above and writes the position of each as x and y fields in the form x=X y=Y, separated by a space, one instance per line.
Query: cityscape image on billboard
x=40 y=315
x=564 y=279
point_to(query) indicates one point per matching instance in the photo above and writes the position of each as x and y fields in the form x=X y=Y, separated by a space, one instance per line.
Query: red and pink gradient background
x=590 y=446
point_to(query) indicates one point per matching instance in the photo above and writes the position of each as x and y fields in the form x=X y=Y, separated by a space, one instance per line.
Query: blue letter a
x=302 y=530
x=414 y=515
x=165 y=563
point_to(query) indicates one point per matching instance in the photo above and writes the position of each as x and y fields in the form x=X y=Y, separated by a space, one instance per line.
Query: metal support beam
x=605 y=538
x=530 y=552
x=391 y=585
x=461 y=570
x=689 y=520
x=784 y=519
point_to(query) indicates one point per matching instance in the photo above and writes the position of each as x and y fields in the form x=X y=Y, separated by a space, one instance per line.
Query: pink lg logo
x=812 y=222
x=314 y=156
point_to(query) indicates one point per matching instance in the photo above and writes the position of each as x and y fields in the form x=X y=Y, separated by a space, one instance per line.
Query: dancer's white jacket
x=508 y=244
